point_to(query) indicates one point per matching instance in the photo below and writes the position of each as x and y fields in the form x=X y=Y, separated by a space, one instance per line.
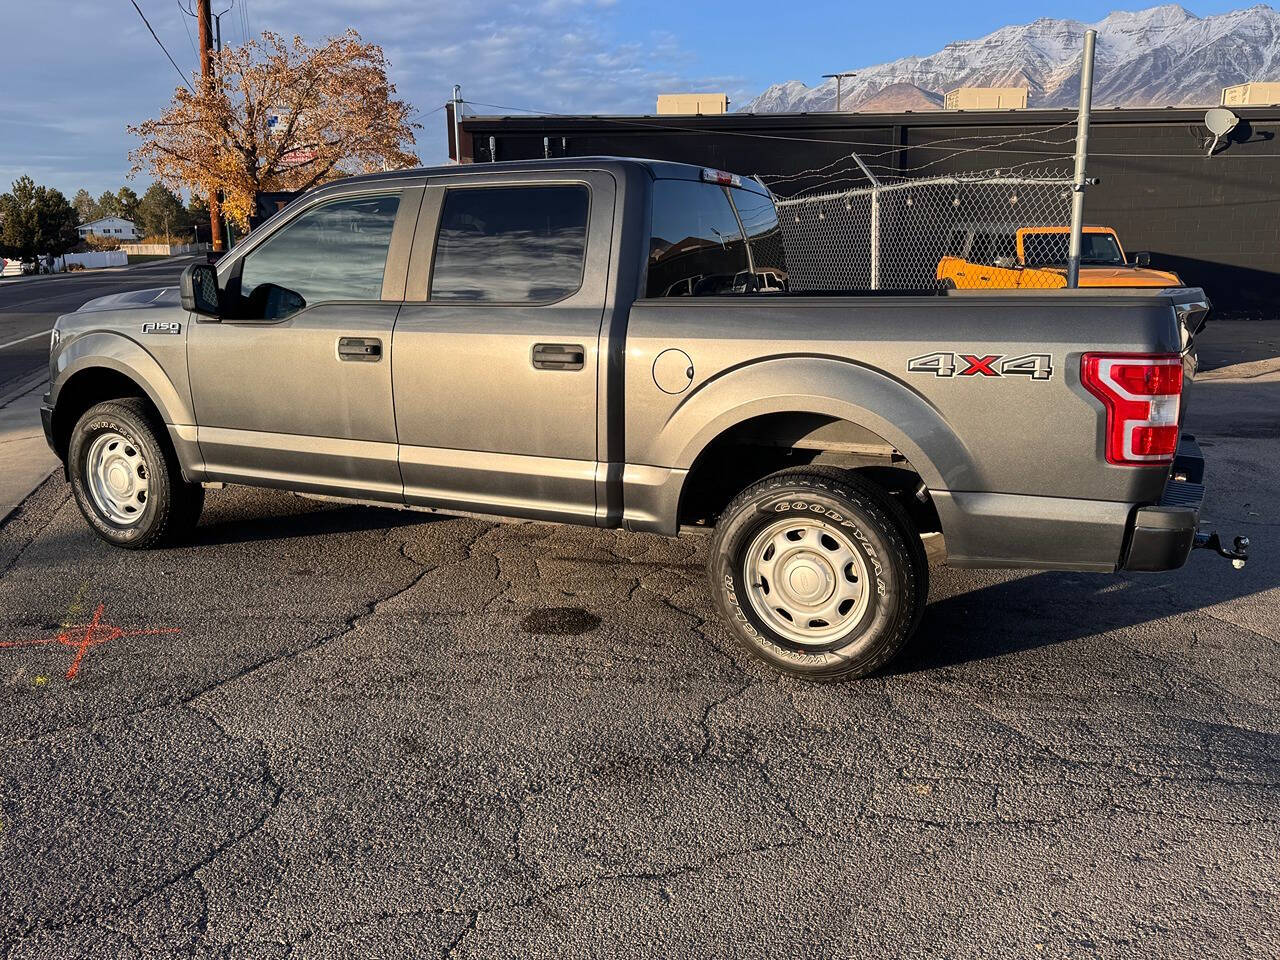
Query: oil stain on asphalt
x=560 y=622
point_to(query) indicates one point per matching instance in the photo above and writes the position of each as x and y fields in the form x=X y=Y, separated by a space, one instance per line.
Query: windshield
x=1048 y=249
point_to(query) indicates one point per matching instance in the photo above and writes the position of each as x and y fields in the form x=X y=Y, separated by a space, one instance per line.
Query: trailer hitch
x=1211 y=541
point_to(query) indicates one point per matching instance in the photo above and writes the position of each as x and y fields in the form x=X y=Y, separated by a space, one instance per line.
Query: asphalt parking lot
x=326 y=731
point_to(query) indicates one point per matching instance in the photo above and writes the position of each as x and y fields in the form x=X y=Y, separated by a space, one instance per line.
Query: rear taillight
x=1141 y=393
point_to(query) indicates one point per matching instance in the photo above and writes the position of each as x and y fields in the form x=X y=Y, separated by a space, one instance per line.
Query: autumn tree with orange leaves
x=338 y=115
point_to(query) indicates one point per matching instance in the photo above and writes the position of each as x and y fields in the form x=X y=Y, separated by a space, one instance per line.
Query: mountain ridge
x=1160 y=56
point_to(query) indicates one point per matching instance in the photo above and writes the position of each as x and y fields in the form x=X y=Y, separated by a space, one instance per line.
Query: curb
x=24 y=486
x=23 y=387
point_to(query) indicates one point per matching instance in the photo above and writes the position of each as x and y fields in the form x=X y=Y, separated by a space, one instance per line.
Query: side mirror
x=1142 y=259
x=198 y=288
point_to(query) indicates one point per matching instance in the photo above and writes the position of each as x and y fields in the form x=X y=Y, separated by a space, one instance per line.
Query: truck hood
x=1123 y=277
x=134 y=300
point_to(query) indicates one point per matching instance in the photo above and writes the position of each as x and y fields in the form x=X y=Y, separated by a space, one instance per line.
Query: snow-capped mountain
x=1156 y=57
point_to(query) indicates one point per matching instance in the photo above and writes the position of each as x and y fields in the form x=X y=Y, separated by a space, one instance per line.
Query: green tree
x=108 y=205
x=198 y=217
x=36 y=221
x=85 y=205
x=127 y=203
x=161 y=211
x=198 y=208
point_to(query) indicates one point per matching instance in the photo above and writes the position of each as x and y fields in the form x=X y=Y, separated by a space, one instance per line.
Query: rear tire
x=126 y=479
x=820 y=574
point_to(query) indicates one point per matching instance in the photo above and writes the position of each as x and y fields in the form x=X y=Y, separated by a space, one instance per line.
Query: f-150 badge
x=1037 y=366
x=164 y=326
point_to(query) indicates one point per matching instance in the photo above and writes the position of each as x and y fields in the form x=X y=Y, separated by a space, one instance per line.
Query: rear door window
x=696 y=247
x=511 y=244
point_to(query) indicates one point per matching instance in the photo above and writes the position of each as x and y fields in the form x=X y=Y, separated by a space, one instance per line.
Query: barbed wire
x=894 y=149
x=857 y=177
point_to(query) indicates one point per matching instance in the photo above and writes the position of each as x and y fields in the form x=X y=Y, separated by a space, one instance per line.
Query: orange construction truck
x=990 y=256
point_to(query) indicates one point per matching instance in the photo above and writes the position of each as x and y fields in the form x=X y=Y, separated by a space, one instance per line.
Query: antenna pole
x=839 y=79
x=1082 y=153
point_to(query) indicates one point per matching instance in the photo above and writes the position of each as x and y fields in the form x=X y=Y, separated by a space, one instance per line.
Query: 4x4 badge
x=1037 y=366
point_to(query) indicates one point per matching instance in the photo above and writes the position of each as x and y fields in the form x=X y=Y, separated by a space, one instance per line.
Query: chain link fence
x=966 y=231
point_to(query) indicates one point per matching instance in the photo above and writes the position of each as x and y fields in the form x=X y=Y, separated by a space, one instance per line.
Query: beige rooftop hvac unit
x=1243 y=94
x=693 y=103
x=986 y=98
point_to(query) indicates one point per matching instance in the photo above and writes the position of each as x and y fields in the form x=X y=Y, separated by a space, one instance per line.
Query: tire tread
x=894 y=524
x=181 y=502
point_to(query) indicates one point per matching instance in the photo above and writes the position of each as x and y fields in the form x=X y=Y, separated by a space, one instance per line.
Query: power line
x=187 y=29
x=162 y=46
x=419 y=115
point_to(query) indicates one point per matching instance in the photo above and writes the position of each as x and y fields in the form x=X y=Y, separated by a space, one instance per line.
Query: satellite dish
x=1220 y=122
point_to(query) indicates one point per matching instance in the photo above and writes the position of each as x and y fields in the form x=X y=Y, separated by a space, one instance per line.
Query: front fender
x=114 y=351
x=827 y=386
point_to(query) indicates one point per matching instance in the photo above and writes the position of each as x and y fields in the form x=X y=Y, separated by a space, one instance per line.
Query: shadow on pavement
x=317 y=520
x=1043 y=609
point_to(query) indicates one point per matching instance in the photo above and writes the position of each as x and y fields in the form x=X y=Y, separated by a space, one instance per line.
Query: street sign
x=277 y=120
x=295 y=158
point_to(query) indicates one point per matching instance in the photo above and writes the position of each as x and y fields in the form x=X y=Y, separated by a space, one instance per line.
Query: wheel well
x=85 y=389
x=755 y=448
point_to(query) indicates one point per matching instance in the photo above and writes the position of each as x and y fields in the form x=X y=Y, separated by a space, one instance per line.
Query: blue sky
x=73 y=73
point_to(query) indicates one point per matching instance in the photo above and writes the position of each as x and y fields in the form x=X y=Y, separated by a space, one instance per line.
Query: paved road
x=28 y=309
x=325 y=731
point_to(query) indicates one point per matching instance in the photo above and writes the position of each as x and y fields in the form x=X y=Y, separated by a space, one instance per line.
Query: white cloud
x=68 y=94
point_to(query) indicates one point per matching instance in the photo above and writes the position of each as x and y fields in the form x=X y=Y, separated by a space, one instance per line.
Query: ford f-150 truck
x=589 y=341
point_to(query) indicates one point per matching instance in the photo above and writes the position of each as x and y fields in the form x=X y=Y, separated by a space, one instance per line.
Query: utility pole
x=205 y=19
x=838 y=78
x=217 y=29
x=1080 y=181
x=457 y=130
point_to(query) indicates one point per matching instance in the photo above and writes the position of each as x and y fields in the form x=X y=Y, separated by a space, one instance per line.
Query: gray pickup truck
x=611 y=342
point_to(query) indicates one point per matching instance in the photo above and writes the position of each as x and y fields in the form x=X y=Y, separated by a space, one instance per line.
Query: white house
x=115 y=227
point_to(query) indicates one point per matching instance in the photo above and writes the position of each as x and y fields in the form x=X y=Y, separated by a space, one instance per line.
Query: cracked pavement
x=385 y=734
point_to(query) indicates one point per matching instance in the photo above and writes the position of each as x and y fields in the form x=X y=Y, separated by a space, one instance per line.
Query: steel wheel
x=117 y=478
x=806 y=580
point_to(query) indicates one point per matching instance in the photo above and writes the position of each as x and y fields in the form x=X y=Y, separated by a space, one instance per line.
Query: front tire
x=126 y=479
x=819 y=573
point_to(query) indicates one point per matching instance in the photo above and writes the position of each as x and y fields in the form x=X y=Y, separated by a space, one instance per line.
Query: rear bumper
x=1099 y=536
x=1163 y=535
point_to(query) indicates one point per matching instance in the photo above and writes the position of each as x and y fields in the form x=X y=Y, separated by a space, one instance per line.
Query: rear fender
x=820 y=385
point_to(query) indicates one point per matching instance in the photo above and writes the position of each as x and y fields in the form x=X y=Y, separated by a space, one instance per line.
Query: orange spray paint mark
x=81 y=637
